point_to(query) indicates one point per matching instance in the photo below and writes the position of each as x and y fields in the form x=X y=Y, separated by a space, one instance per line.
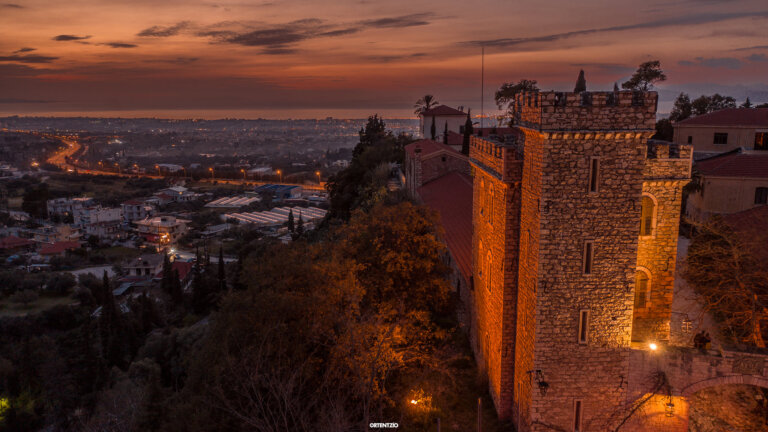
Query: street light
x=211 y=170
x=317 y=173
x=119 y=172
x=158 y=170
x=280 y=173
x=243 y=171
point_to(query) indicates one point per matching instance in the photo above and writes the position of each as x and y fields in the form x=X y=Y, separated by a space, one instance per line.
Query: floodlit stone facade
x=560 y=233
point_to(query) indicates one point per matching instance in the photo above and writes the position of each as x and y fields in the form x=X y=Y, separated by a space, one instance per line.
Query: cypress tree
x=200 y=295
x=467 y=133
x=432 y=129
x=445 y=134
x=166 y=282
x=747 y=103
x=615 y=88
x=581 y=83
x=291 y=225
x=176 y=293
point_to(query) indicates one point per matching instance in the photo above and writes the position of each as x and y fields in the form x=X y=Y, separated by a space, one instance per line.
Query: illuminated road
x=60 y=160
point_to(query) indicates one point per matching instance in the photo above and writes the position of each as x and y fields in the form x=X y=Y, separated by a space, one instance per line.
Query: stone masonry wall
x=495 y=227
x=571 y=215
x=555 y=111
x=665 y=173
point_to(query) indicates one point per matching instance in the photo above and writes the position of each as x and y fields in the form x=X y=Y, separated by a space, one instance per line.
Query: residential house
x=723 y=131
x=136 y=209
x=144 y=267
x=162 y=230
x=728 y=183
x=442 y=115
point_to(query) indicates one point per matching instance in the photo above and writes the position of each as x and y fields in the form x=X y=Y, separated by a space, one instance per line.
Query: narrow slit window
x=589 y=252
x=761 y=195
x=583 y=326
x=641 y=289
x=577 y=414
x=647 y=209
x=594 y=174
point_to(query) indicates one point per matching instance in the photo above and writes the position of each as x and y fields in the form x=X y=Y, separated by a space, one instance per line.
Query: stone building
x=574 y=232
x=427 y=160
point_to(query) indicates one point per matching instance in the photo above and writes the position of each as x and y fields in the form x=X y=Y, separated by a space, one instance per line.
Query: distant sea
x=214 y=114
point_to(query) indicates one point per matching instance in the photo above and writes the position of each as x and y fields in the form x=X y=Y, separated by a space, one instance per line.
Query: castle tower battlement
x=502 y=160
x=597 y=111
x=668 y=161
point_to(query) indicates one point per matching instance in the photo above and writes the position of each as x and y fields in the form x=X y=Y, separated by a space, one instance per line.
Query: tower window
x=690 y=139
x=490 y=202
x=583 y=326
x=637 y=98
x=594 y=175
x=721 y=138
x=647 y=216
x=577 y=414
x=761 y=195
x=589 y=253
x=642 y=289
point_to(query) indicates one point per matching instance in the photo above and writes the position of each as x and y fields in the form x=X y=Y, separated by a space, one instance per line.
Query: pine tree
x=445 y=134
x=581 y=83
x=291 y=226
x=747 y=103
x=111 y=328
x=165 y=282
x=432 y=129
x=222 y=274
x=467 y=133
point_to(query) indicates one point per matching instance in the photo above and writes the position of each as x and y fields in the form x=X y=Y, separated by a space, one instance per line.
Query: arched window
x=488 y=270
x=482 y=197
x=647 y=215
x=642 y=287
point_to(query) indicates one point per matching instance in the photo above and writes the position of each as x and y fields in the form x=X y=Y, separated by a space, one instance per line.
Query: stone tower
x=575 y=220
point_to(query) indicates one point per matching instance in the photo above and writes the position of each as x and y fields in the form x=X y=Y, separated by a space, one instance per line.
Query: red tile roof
x=443 y=110
x=455 y=139
x=730 y=117
x=428 y=147
x=751 y=226
x=451 y=196
x=59 y=247
x=12 y=242
x=753 y=164
x=182 y=267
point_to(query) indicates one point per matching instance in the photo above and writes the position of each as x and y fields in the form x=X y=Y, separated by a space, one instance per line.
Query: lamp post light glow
x=211 y=170
x=280 y=173
x=317 y=173
x=653 y=346
x=243 y=171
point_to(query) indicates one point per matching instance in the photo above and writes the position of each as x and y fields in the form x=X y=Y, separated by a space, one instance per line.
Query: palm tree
x=425 y=103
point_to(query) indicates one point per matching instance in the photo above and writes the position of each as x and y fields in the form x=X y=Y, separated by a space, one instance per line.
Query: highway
x=73 y=146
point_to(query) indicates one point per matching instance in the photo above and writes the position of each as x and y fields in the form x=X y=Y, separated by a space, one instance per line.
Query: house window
x=583 y=326
x=443 y=158
x=690 y=139
x=488 y=271
x=577 y=414
x=461 y=129
x=589 y=252
x=594 y=174
x=642 y=288
x=647 y=215
x=721 y=138
x=761 y=141
x=761 y=195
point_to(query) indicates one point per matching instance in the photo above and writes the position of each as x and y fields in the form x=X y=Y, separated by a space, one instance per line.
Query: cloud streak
x=159 y=31
x=120 y=45
x=412 y=20
x=23 y=50
x=27 y=59
x=719 y=62
x=69 y=37
x=694 y=19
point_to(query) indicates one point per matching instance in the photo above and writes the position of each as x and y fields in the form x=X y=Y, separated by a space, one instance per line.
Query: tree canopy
x=647 y=74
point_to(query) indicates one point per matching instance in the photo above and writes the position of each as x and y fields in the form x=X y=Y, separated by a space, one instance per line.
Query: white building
x=162 y=229
x=178 y=194
x=442 y=114
x=136 y=210
x=69 y=206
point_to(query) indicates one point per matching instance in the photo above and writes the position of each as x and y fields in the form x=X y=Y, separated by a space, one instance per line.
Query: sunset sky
x=318 y=58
